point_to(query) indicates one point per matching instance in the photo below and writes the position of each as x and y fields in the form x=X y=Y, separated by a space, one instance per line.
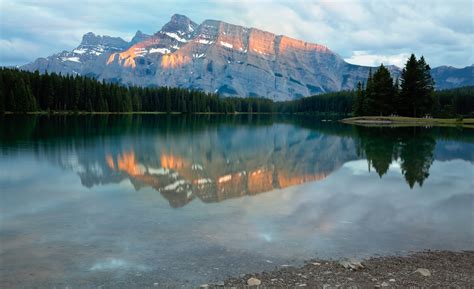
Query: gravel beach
x=423 y=269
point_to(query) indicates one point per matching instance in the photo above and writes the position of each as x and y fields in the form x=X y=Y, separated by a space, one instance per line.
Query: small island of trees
x=411 y=95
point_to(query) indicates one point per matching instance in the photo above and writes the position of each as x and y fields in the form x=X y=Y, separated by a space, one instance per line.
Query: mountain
x=450 y=77
x=86 y=59
x=139 y=37
x=214 y=56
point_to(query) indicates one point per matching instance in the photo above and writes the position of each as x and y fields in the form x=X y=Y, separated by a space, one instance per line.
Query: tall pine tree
x=369 y=99
x=382 y=92
x=417 y=88
x=426 y=99
x=359 y=102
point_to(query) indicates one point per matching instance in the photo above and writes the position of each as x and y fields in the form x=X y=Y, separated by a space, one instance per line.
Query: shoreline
x=127 y=113
x=397 y=121
x=419 y=269
x=164 y=113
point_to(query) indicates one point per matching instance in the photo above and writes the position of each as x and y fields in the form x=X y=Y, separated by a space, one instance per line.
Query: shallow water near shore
x=155 y=200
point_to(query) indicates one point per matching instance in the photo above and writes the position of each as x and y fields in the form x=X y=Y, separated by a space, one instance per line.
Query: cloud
x=15 y=50
x=366 y=59
x=442 y=31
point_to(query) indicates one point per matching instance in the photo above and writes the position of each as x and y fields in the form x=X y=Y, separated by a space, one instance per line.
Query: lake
x=179 y=201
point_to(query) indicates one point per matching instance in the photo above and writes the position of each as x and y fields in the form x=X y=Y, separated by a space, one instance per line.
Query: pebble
x=424 y=272
x=384 y=284
x=204 y=286
x=316 y=264
x=327 y=272
x=155 y=284
x=391 y=280
x=253 y=282
x=220 y=283
x=351 y=264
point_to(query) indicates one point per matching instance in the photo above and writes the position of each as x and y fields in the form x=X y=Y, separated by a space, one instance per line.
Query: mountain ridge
x=216 y=56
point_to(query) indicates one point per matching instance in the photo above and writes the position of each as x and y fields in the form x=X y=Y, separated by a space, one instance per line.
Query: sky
x=361 y=31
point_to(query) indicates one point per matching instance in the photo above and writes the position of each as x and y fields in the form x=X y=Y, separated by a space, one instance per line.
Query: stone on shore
x=424 y=272
x=253 y=282
x=351 y=264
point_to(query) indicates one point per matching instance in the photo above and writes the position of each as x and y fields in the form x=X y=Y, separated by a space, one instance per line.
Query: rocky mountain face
x=450 y=77
x=214 y=56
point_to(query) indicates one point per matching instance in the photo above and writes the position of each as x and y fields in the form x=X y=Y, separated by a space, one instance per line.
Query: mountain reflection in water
x=215 y=158
x=180 y=180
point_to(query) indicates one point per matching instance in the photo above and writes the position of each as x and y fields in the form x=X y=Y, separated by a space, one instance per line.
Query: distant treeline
x=22 y=91
x=332 y=102
x=456 y=101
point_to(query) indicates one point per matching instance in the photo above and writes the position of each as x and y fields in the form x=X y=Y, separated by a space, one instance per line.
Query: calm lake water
x=88 y=201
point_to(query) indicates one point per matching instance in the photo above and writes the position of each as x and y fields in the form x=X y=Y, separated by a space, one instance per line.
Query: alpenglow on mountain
x=216 y=57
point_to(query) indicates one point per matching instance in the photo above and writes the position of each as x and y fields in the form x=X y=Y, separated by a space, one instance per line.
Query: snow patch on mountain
x=226 y=44
x=80 y=51
x=160 y=50
x=205 y=41
x=73 y=59
x=175 y=36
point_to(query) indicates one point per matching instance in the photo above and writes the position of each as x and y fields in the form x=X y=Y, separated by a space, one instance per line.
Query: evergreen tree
x=24 y=101
x=2 y=101
x=168 y=101
x=369 y=99
x=412 y=96
x=359 y=103
x=396 y=97
x=2 y=94
x=382 y=92
x=425 y=102
x=410 y=79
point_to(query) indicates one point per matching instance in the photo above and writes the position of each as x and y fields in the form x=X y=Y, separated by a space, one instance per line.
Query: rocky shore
x=397 y=121
x=424 y=269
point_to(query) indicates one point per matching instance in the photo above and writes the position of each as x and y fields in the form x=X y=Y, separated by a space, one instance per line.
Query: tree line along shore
x=412 y=95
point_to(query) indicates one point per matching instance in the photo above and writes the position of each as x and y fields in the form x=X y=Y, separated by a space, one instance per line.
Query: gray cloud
x=363 y=32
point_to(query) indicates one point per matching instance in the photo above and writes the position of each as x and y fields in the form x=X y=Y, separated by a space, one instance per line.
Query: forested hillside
x=27 y=92
x=22 y=91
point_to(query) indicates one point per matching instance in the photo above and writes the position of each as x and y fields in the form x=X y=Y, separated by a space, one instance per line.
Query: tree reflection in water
x=413 y=147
